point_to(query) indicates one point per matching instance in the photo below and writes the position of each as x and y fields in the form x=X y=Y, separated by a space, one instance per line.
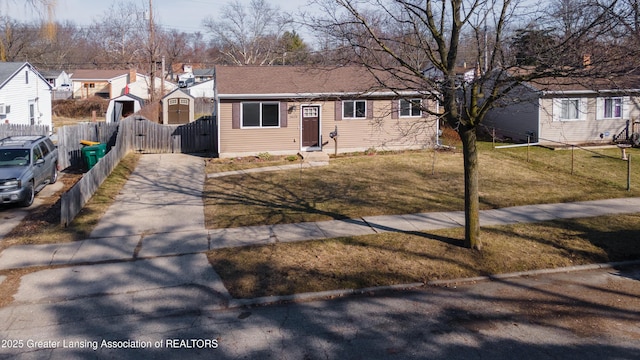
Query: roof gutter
x=318 y=95
x=589 y=92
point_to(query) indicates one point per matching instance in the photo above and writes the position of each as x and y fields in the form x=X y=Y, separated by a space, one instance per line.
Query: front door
x=311 y=126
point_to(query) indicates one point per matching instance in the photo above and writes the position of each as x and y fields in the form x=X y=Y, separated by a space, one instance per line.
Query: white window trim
x=624 y=111
x=409 y=116
x=260 y=126
x=582 y=109
x=354 y=110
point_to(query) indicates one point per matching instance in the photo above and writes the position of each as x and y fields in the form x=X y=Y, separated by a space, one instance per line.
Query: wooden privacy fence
x=153 y=138
x=74 y=200
x=69 y=147
x=135 y=134
x=7 y=130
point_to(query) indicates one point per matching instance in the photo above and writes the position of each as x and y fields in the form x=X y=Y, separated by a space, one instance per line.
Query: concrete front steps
x=314 y=156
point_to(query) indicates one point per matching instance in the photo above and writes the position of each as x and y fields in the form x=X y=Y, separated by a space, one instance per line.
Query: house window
x=570 y=109
x=260 y=114
x=4 y=109
x=410 y=108
x=612 y=108
x=26 y=77
x=356 y=109
x=32 y=113
x=90 y=85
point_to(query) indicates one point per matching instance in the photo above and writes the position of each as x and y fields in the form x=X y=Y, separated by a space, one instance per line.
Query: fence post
x=572 y=157
x=493 y=137
x=629 y=172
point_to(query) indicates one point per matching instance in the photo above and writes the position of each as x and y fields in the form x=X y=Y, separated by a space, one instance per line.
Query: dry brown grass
x=355 y=186
x=397 y=258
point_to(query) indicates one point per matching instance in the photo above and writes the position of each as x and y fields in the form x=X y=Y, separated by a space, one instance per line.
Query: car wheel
x=30 y=195
x=54 y=174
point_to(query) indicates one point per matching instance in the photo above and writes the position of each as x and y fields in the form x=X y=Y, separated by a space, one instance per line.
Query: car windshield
x=14 y=157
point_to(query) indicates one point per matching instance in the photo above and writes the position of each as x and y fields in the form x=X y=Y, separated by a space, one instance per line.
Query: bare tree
x=419 y=46
x=120 y=35
x=248 y=35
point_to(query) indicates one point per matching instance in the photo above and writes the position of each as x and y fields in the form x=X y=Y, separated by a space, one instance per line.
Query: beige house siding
x=381 y=132
x=589 y=129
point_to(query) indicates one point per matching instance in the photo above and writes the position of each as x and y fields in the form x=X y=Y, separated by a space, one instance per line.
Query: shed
x=177 y=107
x=122 y=107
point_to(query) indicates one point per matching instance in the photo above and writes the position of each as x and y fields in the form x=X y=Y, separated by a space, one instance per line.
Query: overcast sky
x=183 y=15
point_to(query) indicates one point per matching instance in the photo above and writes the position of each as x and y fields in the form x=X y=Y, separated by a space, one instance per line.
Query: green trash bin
x=91 y=154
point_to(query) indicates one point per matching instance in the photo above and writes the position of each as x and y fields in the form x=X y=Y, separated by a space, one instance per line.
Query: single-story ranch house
x=290 y=109
x=561 y=111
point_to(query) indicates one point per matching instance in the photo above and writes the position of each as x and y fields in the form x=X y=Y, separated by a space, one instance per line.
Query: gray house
x=567 y=111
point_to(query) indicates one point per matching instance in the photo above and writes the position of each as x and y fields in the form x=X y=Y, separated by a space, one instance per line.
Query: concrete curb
x=324 y=295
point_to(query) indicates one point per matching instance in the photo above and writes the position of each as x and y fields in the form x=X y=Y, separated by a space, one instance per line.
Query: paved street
x=143 y=280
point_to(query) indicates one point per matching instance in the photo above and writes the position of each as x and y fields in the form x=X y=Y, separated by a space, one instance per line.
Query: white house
x=202 y=90
x=58 y=79
x=109 y=84
x=25 y=95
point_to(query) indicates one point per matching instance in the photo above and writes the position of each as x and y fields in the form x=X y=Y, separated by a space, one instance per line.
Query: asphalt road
x=585 y=315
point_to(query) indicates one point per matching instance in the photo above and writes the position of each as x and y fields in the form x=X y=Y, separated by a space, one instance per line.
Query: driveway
x=11 y=215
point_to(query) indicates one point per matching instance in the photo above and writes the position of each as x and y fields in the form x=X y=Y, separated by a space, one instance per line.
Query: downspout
x=216 y=108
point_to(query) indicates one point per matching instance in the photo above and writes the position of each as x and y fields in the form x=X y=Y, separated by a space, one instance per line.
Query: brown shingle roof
x=256 y=80
x=580 y=81
x=97 y=74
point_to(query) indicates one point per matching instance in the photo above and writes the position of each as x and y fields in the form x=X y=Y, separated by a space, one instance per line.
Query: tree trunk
x=471 y=193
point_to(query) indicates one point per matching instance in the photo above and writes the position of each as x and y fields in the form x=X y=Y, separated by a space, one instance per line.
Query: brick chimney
x=132 y=75
x=586 y=61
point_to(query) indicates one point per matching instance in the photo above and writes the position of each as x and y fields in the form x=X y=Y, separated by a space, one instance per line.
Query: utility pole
x=162 y=79
x=152 y=50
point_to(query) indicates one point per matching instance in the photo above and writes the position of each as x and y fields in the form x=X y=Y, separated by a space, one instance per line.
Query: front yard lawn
x=409 y=182
x=401 y=258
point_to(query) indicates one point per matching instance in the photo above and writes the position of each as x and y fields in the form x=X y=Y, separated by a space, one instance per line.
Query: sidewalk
x=157 y=223
x=158 y=236
x=144 y=276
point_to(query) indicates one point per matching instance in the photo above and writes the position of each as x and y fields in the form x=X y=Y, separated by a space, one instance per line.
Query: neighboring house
x=286 y=109
x=60 y=82
x=567 y=111
x=177 y=107
x=123 y=106
x=203 y=75
x=25 y=95
x=201 y=90
x=58 y=79
x=109 y=84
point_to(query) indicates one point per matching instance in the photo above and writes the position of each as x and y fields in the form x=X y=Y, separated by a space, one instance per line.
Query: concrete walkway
x=158 y=220
x=144 y=274
x=140 y=226
x=159 y=212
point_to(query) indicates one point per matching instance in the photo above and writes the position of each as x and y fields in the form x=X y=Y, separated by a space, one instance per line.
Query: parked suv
x=27 y=164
